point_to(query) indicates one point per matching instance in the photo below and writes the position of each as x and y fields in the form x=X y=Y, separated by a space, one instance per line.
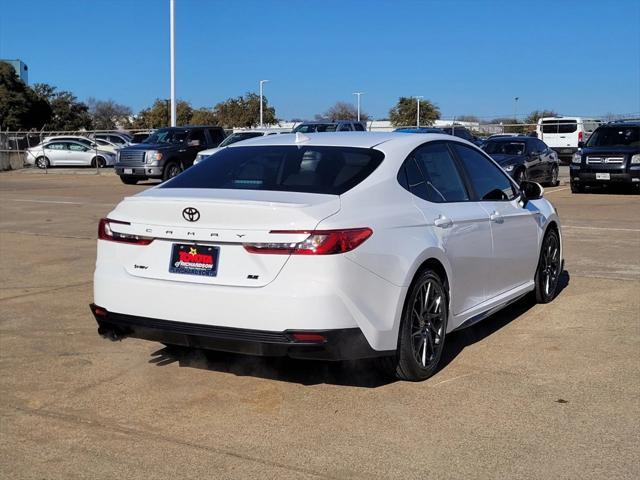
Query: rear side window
x=288 y=168
x=432 y=175
x=359 y=127
x=488 y=181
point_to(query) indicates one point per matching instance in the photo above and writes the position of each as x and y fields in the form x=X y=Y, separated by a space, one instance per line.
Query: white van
x=562 y=134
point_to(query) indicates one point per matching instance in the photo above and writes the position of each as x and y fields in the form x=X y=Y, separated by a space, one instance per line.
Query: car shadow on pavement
x=457 y=341
x=356 y=373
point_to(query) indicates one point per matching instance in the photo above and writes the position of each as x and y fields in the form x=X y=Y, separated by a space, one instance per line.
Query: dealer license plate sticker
x=603 y=176
x=128 y=170
x=194 y=259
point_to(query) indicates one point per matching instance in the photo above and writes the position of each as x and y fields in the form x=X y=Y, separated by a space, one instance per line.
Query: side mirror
x=531 y=191
x=194 y=143
x=580 y=144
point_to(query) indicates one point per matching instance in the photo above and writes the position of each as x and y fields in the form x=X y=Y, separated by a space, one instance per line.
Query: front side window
x=359 y=127
x=217 y=136
x=76 y=147
x=345 y=127
x=286 y=168
x=432 y=175
x=488 y=181
x=199 y=136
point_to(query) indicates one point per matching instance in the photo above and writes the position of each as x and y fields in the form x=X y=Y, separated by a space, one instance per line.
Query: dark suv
x=165 y=153
x=610 y=156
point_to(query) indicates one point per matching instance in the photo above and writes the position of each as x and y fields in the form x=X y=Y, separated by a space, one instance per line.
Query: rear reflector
x=308 y=337
x=105 y=232
x=319 y=242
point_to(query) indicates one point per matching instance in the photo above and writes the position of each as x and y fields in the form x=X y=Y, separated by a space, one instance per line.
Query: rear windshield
x=559 y=126
x=288 y=168
x=615 y=137
x=238 y=137
x=497 y=147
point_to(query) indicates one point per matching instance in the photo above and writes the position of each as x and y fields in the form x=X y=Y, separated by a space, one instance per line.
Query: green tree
x=510 y=125
x=107 y=114
x=67 y=113
x=244 y=111
x=20 y=107
x=536 y=115
x=405 y=111
x=159 y=115
x=203 y=116
x=343 y=111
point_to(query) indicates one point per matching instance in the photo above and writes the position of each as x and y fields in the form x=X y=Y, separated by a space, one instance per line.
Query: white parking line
x=45 y=201
x=603 y=228
x=557 y=190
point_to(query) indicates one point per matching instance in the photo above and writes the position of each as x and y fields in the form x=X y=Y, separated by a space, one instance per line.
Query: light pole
x=173 y=60
x=418 y=97
x=515 y=108
x=262 y=82
x=358 y=95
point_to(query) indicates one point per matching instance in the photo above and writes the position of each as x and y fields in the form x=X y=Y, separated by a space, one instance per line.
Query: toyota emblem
x=190 y=214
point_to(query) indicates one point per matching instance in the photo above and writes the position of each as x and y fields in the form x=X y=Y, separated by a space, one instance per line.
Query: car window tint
x=442 y=179
x=345 y=127
x=77 y=148
x=359 y=127
x=488 y=181
x=216 y=135
x=199 y=136
x=56 y=146
x=311 y=169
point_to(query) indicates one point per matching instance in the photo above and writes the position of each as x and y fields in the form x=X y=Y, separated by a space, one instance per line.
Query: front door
x=514 y=229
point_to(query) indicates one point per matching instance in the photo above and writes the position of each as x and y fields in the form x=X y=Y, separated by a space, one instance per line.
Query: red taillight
x=319 y=242
x=308 y=337
x=579 y=136
x=105 y=232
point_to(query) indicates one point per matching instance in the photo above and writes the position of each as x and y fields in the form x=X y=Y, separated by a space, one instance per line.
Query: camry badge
x=190 y=214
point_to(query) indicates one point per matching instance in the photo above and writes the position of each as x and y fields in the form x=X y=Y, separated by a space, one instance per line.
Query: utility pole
x=173 y=60
x=418 y=97
x=262 y=82
x=358 y=95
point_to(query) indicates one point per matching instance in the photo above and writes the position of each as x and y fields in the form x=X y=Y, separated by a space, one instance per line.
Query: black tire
x=520 y=176
x=549 y=267
x=576 y=188
x=422 y=330
x=100 y=161
x=554 y=180
x=128 y=180
x=171 y=169
x=42 y=162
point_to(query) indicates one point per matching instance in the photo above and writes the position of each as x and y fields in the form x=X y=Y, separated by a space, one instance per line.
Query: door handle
x=183 y=150
x=496 y=217
x=443 y=222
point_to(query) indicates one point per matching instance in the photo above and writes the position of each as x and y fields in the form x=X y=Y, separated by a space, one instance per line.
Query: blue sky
x=469 y=57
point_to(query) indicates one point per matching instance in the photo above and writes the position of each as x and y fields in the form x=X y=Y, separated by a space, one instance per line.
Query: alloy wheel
x=427 y=323
x=550 y=266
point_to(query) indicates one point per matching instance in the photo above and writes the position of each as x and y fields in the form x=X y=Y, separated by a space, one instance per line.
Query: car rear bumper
x=335 y=344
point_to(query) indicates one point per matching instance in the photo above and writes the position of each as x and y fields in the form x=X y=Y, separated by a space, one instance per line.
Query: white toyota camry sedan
x=326 y=246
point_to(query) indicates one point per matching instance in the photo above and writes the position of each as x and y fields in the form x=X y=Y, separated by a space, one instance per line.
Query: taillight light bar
x=319 y=242
x=106 y=233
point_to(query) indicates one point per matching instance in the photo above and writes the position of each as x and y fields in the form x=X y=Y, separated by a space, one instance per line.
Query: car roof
x=511 y=138
x=347 y=139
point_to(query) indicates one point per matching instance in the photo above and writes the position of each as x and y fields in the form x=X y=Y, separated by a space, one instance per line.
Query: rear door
x=57 y=153
x=514 y=229
x=461 y=224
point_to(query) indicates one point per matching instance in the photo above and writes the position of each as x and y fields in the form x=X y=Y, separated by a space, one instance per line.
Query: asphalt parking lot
x=535 y=391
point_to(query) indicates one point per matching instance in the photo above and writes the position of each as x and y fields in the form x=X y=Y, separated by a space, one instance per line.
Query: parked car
x=610 y=156
x=235 y=138
x=166 y=152
x=68 y=153
x=94 y=143
x=525 y=158
x=140 y=137
x=460 y=132
x=120 y=138
x=564 y=133
x=333 y=246
x=419 y=130
x=337 y=126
